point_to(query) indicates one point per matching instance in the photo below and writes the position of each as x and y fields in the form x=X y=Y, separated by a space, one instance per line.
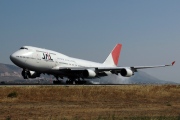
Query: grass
x=87 y=94
x=136 y=102
x=12 y=95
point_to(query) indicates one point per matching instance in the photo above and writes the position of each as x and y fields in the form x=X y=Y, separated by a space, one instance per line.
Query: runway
x=25 y=85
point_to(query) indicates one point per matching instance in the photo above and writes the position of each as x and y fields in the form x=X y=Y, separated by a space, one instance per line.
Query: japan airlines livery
x=35 y=61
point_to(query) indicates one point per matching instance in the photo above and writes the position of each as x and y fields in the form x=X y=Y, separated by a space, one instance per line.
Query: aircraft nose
x=12 y=57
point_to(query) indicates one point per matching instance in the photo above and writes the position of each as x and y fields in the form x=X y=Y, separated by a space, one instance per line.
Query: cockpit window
x=24 y=48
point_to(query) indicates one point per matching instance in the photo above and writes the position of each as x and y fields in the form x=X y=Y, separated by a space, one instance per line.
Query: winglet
x=173 y=63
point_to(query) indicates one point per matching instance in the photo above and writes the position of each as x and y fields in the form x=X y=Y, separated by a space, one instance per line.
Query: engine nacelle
x=89 y=73
x=126 y=72
x=33 y=74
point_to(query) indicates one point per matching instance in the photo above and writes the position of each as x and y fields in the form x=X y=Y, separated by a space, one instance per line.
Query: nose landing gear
x=25 y=74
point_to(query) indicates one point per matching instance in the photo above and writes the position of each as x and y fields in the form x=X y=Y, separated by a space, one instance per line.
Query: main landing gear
x=57 y=82
x=70 y=81
x=78 y=82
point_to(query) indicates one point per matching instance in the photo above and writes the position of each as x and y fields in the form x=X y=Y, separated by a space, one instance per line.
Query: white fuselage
x=38 y=59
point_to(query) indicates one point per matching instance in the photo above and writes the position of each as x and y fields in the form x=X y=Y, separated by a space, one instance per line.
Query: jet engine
x=89 y=73
x=126 y=72
x=29 y=74
x=33 y=74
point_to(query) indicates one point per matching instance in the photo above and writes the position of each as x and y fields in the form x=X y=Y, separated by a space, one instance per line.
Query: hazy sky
x=148 y=29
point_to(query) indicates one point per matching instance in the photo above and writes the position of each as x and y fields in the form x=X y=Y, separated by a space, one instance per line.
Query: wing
x=145 y=67
x=129 y=71
x=92 y=72
x=135 y=68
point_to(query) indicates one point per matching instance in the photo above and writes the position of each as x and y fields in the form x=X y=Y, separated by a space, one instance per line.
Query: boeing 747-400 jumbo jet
x=35 y=61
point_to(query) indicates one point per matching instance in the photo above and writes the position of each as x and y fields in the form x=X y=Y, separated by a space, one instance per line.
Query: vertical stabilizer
x=113 y=58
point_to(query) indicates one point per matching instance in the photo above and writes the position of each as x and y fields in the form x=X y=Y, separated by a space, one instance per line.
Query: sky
x=89 y=29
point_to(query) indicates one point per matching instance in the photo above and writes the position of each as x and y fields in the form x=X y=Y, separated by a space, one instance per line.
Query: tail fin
x=113 y=58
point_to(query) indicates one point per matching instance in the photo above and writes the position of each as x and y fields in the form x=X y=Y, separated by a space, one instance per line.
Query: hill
x=9 y=72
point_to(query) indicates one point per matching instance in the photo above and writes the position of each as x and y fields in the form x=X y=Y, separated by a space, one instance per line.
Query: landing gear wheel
x=69 y=82
x=57 y=82
x=80 y=82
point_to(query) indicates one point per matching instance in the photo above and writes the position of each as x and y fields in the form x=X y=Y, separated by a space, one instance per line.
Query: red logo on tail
x=116 y=53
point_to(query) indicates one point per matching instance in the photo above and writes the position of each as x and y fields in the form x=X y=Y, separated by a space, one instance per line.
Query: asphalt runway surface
x=3 y=85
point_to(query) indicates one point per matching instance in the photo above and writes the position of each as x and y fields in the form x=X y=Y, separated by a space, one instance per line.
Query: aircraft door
x=38 y=57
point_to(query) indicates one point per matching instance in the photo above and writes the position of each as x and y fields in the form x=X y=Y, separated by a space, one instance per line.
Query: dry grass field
x=151 y=102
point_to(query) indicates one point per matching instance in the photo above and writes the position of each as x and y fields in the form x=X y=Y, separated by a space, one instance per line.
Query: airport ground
x=90 y=102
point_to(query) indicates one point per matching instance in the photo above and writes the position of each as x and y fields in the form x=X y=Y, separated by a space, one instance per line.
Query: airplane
x=36 y=61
